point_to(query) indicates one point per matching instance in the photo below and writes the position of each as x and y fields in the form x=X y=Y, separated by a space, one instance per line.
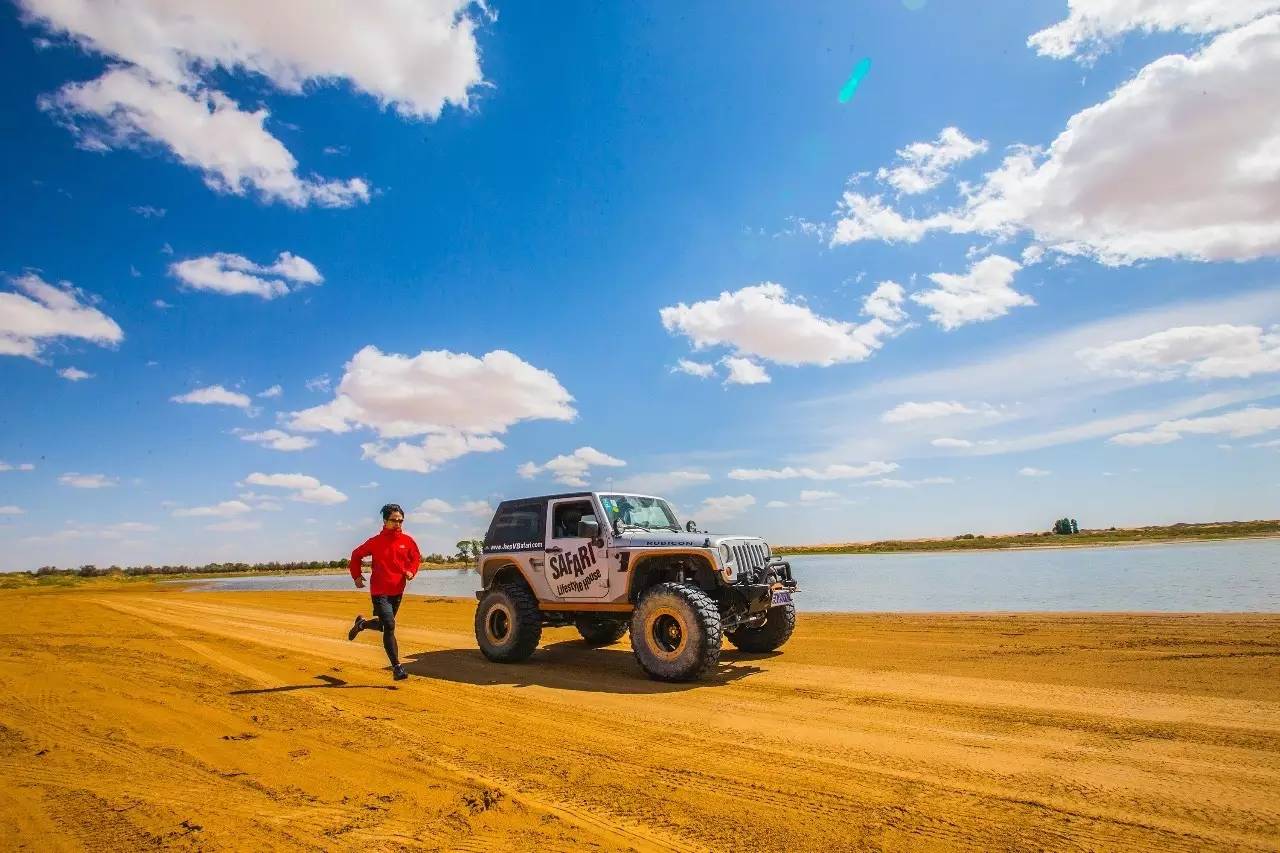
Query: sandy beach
x=136 y=715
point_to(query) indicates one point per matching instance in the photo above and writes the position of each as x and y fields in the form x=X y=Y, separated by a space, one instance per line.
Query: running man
x=395 y=561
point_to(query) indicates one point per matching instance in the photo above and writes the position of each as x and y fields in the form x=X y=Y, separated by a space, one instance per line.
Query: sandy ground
x=136 y=717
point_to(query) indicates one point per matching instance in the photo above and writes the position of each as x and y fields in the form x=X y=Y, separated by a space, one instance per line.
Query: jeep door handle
x=554 y=549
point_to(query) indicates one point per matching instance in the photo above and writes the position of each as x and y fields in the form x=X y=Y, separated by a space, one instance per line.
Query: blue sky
x=1026 y=271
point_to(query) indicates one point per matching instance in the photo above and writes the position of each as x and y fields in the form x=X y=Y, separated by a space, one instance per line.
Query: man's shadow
x=327 y=682
x=572 y=665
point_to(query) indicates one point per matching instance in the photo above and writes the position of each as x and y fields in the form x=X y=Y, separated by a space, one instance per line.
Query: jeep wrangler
x=606 y=563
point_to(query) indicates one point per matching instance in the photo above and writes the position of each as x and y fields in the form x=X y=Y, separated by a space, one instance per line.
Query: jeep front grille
x=751 y=559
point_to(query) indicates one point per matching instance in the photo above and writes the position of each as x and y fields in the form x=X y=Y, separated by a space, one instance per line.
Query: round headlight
x=725 y=554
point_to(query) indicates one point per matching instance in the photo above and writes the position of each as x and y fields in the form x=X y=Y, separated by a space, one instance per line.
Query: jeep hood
x=671 y=539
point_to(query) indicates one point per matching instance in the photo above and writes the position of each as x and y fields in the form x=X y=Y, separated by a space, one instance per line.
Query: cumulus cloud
x=221 y=510
x=202 y=128
x=414 y=58
x=1091 y=25
x=723 y=507
x=1241 y=423
x=304 y=488
x=431 y=510
x=816 y=495
x=744 y=371
x=434 y=394
x=86 y=481
x=1198 y=352
x=40 y=312
x=924 y=165
x=694 y=368
x=273 y=391
x=951 y=442
x=235 y=275
x=279 y=440
x=1033 y=472
x=984 y=293
x=214 y=395
x=571 y=469
x=74 y=374
x=762 y=321
x=912 y=411
x=1103 y=188
x=661 y=483
x=25 y=466
x=830 y=472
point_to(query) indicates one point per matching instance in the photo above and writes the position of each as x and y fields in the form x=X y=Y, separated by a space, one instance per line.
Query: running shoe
x=356 y=628
x=398 y=673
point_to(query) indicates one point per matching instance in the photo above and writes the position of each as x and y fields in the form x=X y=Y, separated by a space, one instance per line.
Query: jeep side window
x=565 y=518
x=515 y=525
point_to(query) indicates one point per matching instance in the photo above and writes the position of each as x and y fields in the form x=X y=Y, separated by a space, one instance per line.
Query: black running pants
x=384 y=620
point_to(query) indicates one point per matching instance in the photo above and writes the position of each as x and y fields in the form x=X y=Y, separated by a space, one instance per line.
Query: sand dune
x=135 y=716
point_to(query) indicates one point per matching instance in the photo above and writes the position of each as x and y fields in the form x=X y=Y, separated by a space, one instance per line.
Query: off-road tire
x=675 y=632
x=508 y=623
x=776 y=630
x=601 y=632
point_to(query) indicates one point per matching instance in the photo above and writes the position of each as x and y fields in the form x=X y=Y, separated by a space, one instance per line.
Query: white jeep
x=606 y=562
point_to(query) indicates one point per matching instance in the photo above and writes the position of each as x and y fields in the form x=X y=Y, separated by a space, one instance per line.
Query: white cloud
x=236 y=275
x=891 y=483
x=1092 y=24
x=74 y=374
x=760 y=321
x=273 y=391
x=457 y=401
x=434 y=451
x=25 y=466
x=10 y=509
x=571 y=469
x=372 y=484
x=911 y=411
x=41 y=312
x=815 y=495
x=777 y=505
x=925 y=164
x=830 y=472
x=431 y=510
x=202 y=128
x=1241 y=423
x=147 y=211
x=214 y=395
x=984 y=293
x=885 y=302
x=1103 y=189
x=86 y=481
x=305 y=488
x=412 y=57
x=660 y=483
x=1197 y=352
x=279 y=440
x=723 y=507
x=951 y=442
x=321 y=384
x=694 y=368
x=236 y=525
x=221 y=510
x=162 y=305
x=1033 y=472
x=479 y=508
x=744 y=371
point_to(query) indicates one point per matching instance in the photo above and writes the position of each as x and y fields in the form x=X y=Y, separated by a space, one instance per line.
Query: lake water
x=1194 y=577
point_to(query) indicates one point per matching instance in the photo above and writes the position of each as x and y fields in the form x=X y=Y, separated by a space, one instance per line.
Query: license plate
x=780 y=597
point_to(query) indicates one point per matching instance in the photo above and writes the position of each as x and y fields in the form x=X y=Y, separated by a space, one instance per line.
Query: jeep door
x=575 y=566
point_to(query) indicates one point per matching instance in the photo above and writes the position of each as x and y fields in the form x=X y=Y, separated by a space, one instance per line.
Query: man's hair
x=387 y=509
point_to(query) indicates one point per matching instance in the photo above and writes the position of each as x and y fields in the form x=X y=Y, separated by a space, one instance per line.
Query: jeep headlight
x=726 y=556
x=768 y=552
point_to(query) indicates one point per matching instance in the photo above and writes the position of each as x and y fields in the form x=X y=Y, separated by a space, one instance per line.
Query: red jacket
x=395 y=560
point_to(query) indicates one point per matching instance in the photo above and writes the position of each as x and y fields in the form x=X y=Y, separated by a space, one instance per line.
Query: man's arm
x=356 y=556
x=417 y=558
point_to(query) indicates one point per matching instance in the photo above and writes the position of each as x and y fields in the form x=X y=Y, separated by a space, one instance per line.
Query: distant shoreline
x=1120 y=537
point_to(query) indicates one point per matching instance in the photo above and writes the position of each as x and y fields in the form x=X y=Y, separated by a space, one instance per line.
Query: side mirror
x=691 y=527
x=588 y=529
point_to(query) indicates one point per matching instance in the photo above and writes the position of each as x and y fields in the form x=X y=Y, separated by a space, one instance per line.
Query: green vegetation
x=1054 y=538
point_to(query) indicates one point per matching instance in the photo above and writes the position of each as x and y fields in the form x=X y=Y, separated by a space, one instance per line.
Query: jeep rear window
x=516 y=525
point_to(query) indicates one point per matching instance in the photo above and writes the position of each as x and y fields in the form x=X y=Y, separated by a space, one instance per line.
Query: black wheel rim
x=667 y=633
x=499 y=625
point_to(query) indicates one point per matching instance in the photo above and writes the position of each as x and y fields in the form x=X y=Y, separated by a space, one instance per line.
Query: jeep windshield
x=635 y=511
